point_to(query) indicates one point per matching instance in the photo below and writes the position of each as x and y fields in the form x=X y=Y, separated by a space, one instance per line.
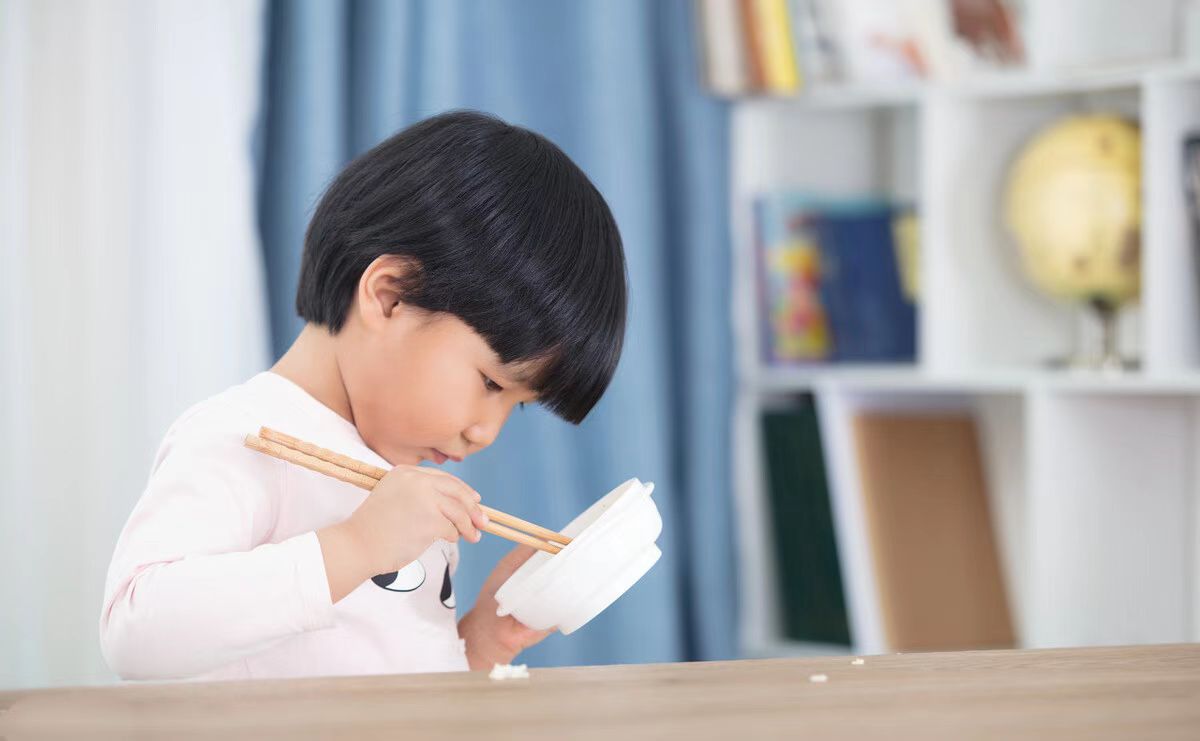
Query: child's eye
x=491 y=385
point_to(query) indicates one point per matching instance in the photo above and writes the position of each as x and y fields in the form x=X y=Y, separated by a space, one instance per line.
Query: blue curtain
x=615 y=84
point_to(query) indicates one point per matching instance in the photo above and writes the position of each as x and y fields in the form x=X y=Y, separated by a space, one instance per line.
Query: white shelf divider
x=1170 y=273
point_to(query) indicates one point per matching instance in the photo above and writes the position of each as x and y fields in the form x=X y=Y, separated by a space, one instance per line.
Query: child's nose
x=481 y=435
x=484 y=432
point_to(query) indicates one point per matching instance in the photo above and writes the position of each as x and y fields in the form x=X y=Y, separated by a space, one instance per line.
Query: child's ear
x=379 y=289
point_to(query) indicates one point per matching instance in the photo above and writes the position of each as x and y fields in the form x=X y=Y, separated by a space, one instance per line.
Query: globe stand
x=1107 y=358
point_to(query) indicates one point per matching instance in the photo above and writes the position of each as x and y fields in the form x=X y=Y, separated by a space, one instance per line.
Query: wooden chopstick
x=365 y=476
x=345 y=461
x=311 y=462
x=377 y=473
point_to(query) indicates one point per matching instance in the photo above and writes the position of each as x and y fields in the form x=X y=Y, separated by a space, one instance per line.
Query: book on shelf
x=780 y=72
x=836 y=279
x=723 y=47
x=816 y=52
x=795 y=326
x=871 y=318
x=810 y=581
x=749 y=46
x=1191 y=193
x=776 y=46
x=928 y=523
x=752 y=36
x=906 y=232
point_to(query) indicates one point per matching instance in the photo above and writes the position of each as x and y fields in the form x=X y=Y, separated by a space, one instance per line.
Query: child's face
x=422 y=386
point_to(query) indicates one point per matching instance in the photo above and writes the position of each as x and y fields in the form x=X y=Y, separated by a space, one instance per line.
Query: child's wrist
x=358 y=545
x=484 y=646
x=347 y=562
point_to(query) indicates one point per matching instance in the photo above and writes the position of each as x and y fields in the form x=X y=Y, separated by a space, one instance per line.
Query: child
x=459 y=269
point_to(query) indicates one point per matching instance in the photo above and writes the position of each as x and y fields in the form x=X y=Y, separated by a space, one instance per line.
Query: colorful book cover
x=795 y=327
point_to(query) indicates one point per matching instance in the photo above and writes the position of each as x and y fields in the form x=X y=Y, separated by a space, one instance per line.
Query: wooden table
x=1098 y=693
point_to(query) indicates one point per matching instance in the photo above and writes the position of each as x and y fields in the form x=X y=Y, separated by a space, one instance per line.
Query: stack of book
x=837 y=279
x=775 y=47
x=762 y=46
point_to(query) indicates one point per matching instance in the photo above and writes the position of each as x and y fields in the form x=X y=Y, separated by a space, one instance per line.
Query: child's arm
x=187 y=590
x=492 y=639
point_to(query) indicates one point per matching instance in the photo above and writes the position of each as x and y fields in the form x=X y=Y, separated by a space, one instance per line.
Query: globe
x=1073 y=202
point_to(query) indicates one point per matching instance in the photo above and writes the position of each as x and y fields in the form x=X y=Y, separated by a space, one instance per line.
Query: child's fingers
x=455 y=482
x=457 y=514
x=448 y=531
x=478 y=516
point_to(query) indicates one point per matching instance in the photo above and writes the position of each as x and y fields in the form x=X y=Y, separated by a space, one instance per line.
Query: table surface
x=1096 y=693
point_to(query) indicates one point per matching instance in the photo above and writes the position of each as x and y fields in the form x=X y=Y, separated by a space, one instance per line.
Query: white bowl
x=612 y=547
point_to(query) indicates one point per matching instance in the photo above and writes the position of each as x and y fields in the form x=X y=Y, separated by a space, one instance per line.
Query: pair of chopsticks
x=366 y=476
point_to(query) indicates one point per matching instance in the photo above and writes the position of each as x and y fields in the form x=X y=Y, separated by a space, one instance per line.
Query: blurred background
x=914 y=344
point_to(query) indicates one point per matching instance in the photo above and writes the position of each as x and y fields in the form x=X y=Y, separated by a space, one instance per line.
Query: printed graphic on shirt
x=407 y=579
x=411 y=577
x=448 y=590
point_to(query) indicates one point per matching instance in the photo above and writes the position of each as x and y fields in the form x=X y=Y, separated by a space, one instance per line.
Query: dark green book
x=810 y=579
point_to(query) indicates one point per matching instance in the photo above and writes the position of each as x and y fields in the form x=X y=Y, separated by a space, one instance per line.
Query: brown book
x=932 y=544
x=755 y=64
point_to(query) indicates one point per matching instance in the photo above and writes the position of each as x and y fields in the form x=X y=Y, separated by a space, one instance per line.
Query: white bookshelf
x=1093 y=478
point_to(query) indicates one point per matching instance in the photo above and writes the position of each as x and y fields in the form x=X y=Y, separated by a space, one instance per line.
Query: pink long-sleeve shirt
x=218 y=573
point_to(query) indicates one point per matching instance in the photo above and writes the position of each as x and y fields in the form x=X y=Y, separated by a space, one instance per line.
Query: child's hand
x=492 y=639
x=407 y=510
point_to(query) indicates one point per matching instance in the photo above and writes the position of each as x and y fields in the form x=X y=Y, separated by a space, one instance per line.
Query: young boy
x=457 y=270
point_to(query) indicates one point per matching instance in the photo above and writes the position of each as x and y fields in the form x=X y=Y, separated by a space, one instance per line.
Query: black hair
x=503 y=230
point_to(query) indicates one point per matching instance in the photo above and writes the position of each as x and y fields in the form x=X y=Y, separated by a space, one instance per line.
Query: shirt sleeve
x=190 y=588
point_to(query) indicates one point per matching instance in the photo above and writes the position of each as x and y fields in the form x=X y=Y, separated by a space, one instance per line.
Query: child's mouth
x=439 y=457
